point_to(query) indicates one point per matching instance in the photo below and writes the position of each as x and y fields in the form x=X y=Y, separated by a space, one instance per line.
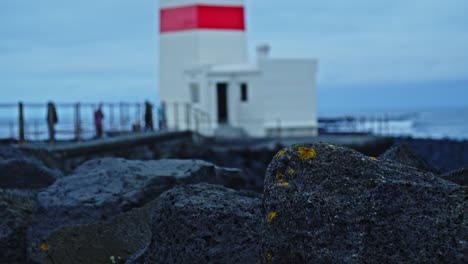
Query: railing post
x=111 y=115
x=195 y=115
x=121 y=116
x=21 y=123
x=138 y=117
x=208 y=125
x=77 y=122
x=176 y=116
x=187 y=115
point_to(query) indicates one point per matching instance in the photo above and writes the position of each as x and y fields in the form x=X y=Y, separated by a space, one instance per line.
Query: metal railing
x=28 y=121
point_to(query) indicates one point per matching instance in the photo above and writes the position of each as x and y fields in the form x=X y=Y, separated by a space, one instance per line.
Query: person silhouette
x=149 y=125
x=52 y=119
x=98 y=117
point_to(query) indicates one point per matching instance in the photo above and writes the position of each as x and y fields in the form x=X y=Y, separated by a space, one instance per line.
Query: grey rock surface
x=403 y=154
x=204 y=223
x=26 y=173
x=10 y=152
x=329 y=204
x=459 y=177
x=21 y=171
x=101 y=242
x=102 y=189
x=15 y=215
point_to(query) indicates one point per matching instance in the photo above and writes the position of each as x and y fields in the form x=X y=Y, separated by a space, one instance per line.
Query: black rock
x=444 y=155
x=459 y=176
x=10 y=152
x=15 y=215
x=329 y=204
x=102 y=189
x=109 y=242
x=21 y=171
x=403 y=154
x=26 y=174
x=204 y=224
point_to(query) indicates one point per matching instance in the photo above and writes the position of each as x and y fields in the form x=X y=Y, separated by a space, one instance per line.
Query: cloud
x=366 y=41
x=110 y=47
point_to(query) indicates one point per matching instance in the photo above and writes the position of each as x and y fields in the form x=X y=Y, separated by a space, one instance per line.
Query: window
x=244 y=96
x=194 y=93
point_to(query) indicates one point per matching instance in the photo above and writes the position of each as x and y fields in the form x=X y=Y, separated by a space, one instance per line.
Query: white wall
x=289 y=89
x=183 y=50
x=281 y=94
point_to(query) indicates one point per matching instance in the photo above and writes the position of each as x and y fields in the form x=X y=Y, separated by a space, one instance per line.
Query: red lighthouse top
x=192 y=17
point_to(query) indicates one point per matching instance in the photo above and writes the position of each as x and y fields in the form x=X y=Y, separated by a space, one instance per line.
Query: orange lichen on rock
x=290 y=171
x=44 y=247
x=373 y=158
x=306 y=153
x=271 y=216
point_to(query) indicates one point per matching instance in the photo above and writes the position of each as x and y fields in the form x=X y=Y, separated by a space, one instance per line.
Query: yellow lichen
x=279 y=176
x=268 y=257
x=306 y=153
x=290 y=171
x=44 y=247
x=280 y=179
x=271 y=216
x=280 y=153
x=373 y=158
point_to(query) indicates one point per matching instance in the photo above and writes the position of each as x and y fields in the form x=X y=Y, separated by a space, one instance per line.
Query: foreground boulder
x=21 y=171
x=204 y=224
x=15 y=215
x=102 y=189
x=330 y=204
x=459 y=177
x=10 y=152
x=26 y=174
x=107 y=242
x=403 y=154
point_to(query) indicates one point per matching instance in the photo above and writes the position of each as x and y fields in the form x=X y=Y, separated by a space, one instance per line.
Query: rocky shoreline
x=306 y=203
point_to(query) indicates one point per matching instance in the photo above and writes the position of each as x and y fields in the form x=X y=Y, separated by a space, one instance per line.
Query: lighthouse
x=204 y=66
x=198 y=32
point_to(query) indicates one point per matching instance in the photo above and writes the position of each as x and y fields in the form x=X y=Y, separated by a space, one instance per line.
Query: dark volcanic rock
x=102 y=189
x=330 y=204
x=101 y=242
x=403 y=154
x=21 y=171
x=9 y=152
x=26 y=174
x=444 y=155
x=204 y=224
x=252 y=161
x=459 y=176
x=15 y=215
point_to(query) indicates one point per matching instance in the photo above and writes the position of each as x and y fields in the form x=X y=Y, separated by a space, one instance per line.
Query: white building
x=204 y=63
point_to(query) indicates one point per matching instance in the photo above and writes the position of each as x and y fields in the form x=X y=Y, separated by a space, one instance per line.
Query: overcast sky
x=386 y=53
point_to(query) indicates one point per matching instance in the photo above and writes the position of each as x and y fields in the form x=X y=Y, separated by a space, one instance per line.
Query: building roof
x=224 y=69
x=228 y=69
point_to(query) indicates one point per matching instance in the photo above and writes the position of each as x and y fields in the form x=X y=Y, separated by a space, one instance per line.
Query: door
x=222 y=103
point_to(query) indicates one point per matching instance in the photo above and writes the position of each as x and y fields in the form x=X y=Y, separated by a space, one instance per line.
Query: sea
x=430 y=123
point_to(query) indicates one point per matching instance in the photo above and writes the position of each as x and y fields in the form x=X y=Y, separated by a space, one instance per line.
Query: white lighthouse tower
x=204 y=66
x=194 y=33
